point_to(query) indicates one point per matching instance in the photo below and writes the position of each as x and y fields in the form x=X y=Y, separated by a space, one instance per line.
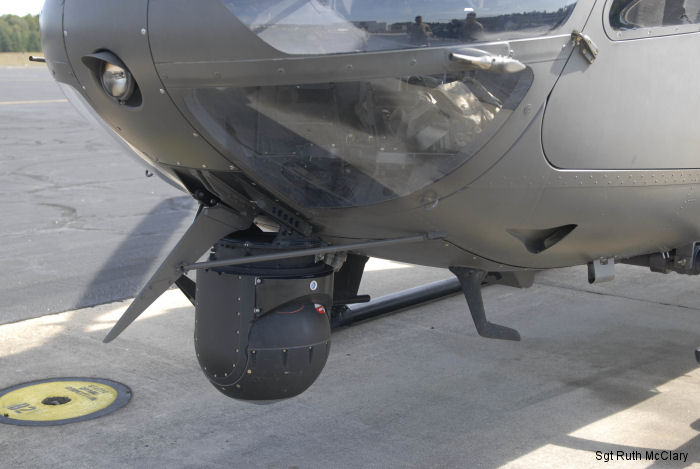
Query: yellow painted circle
x=33 y=402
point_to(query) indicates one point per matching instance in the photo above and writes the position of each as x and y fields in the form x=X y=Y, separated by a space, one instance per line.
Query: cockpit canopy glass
x=347 y=26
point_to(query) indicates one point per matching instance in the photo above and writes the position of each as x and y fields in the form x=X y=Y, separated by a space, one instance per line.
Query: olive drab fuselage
x=513 y=136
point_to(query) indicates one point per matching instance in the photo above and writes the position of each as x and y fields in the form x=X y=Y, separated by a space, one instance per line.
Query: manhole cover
x=61 y=400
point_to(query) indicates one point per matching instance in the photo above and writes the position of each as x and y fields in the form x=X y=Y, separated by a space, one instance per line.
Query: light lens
x=117 y=82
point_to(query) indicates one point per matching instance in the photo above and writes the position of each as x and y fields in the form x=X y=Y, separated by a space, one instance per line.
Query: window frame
x=563 y=26
x=646 y=32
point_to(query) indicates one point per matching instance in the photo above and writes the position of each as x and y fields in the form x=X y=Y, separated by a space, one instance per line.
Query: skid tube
x=347 y=315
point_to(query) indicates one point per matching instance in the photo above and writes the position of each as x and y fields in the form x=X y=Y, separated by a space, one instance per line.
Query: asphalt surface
x=81 y=224
x=601 y=369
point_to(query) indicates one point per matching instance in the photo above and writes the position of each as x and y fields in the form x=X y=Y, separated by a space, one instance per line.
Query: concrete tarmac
x=603 y=372
x=599 y=369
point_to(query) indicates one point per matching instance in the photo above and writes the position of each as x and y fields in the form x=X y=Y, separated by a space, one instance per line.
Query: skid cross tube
x=310 y=252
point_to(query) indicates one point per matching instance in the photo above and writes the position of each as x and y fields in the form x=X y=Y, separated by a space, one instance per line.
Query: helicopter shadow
x=126 y=270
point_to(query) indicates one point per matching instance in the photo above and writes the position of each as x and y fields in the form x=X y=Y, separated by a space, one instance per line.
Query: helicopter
x=493 y=138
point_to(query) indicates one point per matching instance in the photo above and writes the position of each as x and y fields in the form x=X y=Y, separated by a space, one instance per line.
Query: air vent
x=537 y=241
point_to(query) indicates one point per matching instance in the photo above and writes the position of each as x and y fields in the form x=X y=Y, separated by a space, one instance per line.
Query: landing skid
x=347 y=315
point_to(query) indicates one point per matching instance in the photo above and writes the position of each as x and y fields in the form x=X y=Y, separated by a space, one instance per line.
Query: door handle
x=477 y=59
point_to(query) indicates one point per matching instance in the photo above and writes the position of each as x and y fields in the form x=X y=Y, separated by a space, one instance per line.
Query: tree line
x=19 y=33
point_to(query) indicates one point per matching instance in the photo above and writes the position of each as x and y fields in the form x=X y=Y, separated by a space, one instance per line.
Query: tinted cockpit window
x=342 y=26
x=633 y=14
x=353 y=144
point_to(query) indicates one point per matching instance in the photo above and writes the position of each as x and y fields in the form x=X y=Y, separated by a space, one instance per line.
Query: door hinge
x=588 y=49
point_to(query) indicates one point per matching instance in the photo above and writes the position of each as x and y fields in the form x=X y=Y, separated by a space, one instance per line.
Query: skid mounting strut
x=471 y=280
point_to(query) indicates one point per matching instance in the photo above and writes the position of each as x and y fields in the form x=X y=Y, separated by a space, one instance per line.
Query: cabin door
x=636 y=106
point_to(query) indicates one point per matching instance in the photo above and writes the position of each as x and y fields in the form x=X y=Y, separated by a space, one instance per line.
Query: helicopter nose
x=52 y=41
